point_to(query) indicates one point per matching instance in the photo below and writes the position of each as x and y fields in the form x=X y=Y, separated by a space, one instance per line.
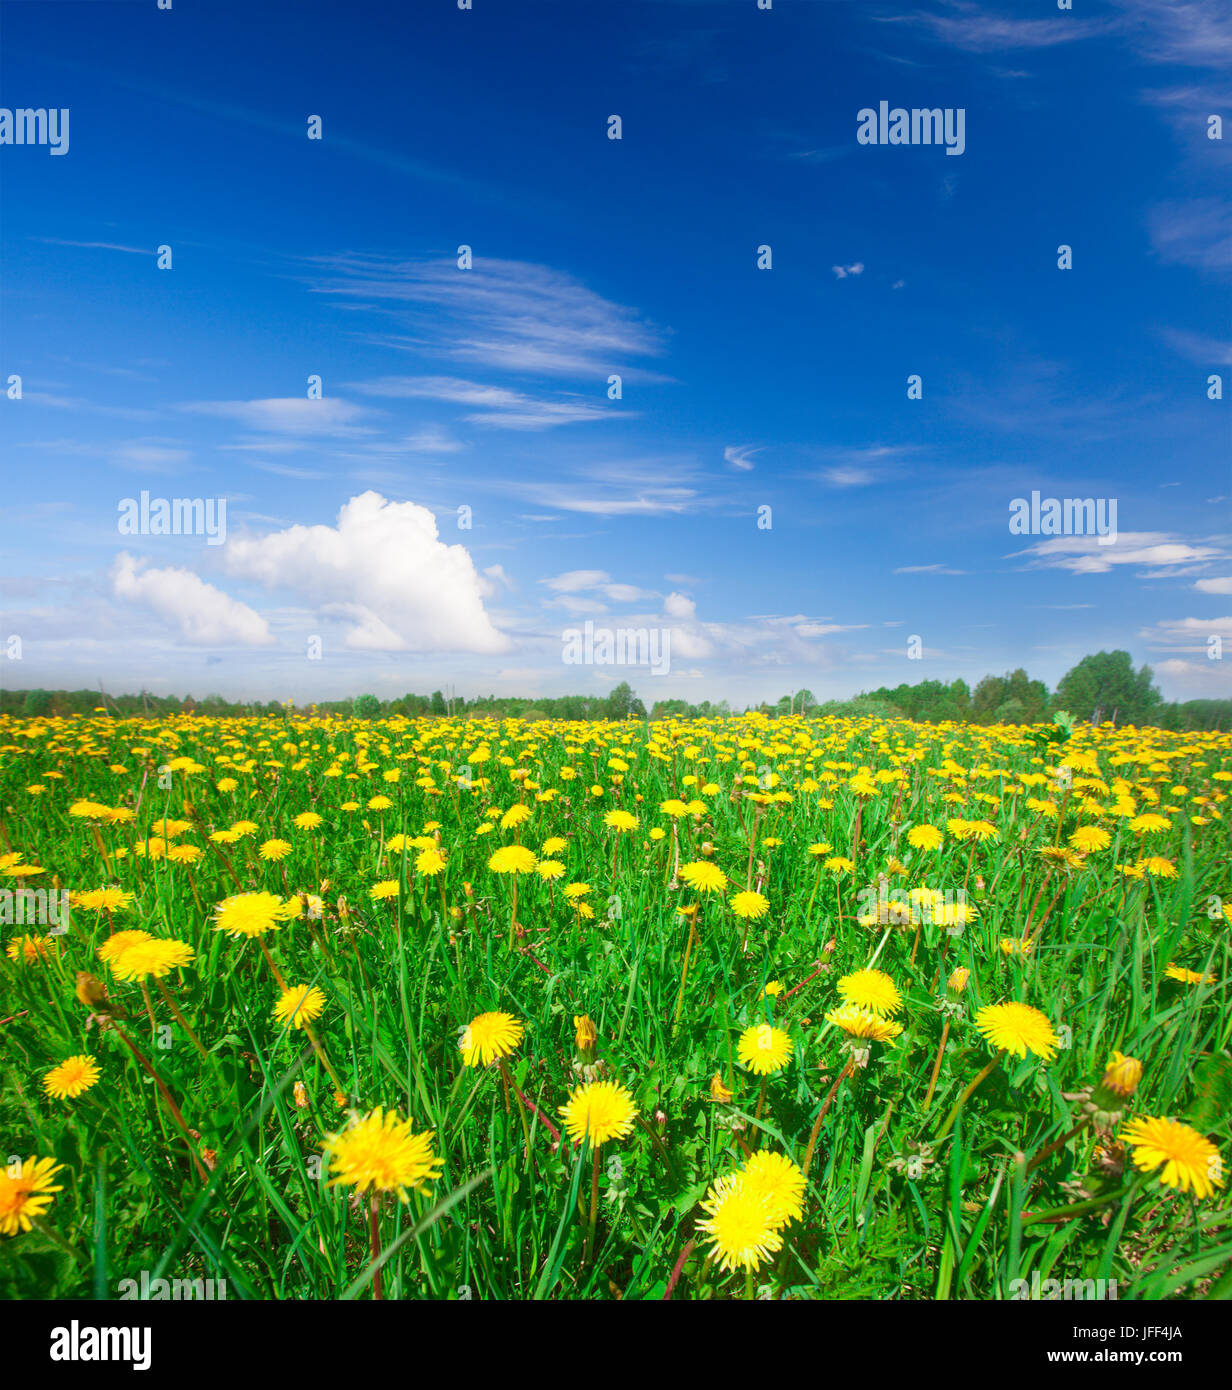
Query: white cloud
x=294 y=415
x=497 y=407
x=572 y=581
x=513 y=315
x=205 y=616
x=841 y=272
x=1084 y=554
x=927 y=569
x=1214 y=586
x=384 y=569
x=740 y=456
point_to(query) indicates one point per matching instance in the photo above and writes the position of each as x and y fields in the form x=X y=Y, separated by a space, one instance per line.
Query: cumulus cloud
x=384 y=569
x=1215 y=586
x=204 y=615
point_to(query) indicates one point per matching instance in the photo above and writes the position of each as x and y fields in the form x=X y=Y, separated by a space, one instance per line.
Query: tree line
x=1101 y=687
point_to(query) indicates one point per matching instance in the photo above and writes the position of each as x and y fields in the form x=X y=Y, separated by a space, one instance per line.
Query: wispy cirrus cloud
x=292 y=415
x=740 y=456
x=512 y=315
x=1163 y=553
x=1196 y=232
x=975 y=28
x=497 y=407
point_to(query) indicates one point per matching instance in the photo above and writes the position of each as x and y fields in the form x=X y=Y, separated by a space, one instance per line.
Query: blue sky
x=487 y=388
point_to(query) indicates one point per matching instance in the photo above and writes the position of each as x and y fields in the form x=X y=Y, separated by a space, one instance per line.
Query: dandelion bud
x=301 y=1095
x=719 y=1092
x=660 y=1120
x=585 y=1036
x=1119 y=1082
x=958 y=980
x=831 y=946
x=707 y=850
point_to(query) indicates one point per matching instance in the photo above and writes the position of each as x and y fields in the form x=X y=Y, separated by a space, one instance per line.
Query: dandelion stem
x=594 y=1208
x=966 y=1095
x=932 y=1081
x=374 y=1241
x=179 y=1017
x=825 y=1105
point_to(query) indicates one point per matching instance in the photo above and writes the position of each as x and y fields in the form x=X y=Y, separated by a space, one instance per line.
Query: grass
x=896 y=1206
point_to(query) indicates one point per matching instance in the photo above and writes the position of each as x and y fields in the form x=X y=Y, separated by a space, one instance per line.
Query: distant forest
x=1102 y=687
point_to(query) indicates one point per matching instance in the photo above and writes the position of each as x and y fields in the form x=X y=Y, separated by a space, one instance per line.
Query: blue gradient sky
x=487 y=388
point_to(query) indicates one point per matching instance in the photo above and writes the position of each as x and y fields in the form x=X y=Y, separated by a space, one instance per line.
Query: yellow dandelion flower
x=299 y=1005
x=512 y=859
x=73 y=1076
x=764 y=1049
x=739 y=1224
x=749 y=906
x=873 y=990
x=598 y=1112
x=1188 y=1159
x=1017 y=1028
x=249 y=914
x=776 y=1178
x=380 y=1152
x=27 y=1195
x=703 y=876
x=863 y=1024
x=152 y=959
x=488 y=1037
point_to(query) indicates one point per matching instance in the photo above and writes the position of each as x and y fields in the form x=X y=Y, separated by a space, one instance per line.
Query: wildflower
x=380 y=1152
x=488 y=1037
x=430 y=862
x=154 y=958
x=1017 y=1028
x=924 y=837
x=307 y=820
x=73 y=1076
x=862 y=1025
x=704 y=877
x=764 y=1049
x=28 y=1195
x=1088 y=838
x=1188 y=977
x=749 y=906
x=299 y=1005
x=620 y=820
x=31 y=949
x=778 y=1179
x=585 y=1035
x=249 y=914
x=598 y=1111
x=1189 y=1159
x=718 y=1091
x=740 y=1224
x=275 y=850
x=512 y=859
x=873 y=990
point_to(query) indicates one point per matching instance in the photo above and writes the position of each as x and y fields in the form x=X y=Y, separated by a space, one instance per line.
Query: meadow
x=741 y=1007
